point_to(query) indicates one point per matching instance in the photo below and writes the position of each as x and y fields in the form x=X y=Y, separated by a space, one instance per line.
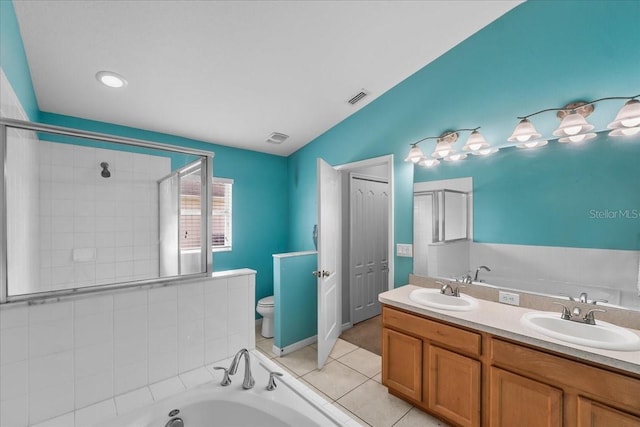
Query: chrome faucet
x=482 y=267
x=248 y=381
x=575 y=314
x=447 y=289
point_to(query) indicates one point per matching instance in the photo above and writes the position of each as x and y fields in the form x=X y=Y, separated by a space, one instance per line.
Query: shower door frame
x=206 y=156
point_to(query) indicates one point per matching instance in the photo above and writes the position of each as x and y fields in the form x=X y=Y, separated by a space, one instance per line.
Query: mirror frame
x=5 y=124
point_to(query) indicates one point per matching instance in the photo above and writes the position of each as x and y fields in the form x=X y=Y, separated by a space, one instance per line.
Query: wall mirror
x=558 y=221
x=87 y=211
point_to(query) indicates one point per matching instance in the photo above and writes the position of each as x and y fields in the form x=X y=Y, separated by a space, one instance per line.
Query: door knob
x=323 y=273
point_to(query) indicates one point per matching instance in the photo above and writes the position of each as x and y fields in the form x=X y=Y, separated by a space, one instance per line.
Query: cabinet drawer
x=616 y=389
x=445 y=335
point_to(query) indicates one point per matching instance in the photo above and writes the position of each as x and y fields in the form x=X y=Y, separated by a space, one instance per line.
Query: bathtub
x=291 y=404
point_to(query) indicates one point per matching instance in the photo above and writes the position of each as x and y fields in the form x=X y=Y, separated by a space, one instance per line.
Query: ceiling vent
x=358 y=97
x=277 y=138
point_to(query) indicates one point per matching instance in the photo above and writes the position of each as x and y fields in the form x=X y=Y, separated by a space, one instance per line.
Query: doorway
x=376 y=174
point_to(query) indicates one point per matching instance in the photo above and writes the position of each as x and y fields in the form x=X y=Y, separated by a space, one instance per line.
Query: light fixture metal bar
x=581 y=105
x=444 y=135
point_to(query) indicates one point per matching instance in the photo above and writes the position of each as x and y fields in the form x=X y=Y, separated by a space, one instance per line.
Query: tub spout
x=248 y=378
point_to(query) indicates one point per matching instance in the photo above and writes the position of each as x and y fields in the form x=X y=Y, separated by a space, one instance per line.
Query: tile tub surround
x=62 y=356
x=504 y=321
x=105 y=413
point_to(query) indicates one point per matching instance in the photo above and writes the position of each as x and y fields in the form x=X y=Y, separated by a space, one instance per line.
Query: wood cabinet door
x=594 y=414
x=515 y=400
x=453 y=386
x=402 y=363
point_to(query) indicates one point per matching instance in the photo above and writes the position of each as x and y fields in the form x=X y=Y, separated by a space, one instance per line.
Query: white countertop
x=504 y=321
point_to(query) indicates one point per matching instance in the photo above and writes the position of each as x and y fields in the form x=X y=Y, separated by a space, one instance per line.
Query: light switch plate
x=404 y=250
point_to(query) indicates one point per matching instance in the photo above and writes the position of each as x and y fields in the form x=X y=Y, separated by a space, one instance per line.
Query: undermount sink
x=602 y=335
x=434 y=299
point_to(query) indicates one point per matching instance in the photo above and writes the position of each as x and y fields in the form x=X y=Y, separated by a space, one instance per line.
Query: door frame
x=386 y=161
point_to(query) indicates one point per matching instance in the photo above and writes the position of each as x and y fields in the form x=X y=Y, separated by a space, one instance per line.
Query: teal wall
x=14 y=60
x=296 y=296
x=541 y=54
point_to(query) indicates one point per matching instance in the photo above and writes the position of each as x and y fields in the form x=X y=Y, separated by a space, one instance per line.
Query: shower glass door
x=182 y=229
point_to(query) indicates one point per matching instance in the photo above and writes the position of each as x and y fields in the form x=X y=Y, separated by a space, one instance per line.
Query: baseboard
x=347 y=325
x=295 y=346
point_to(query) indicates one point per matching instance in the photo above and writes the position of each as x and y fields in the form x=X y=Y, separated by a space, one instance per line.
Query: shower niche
x=88 y=211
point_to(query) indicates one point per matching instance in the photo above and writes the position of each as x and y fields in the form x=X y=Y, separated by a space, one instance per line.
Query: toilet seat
x=266 y=302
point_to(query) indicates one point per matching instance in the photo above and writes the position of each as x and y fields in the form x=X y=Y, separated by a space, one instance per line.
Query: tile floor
x=351 y=379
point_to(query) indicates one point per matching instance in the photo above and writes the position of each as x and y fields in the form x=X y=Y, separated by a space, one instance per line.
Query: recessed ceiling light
x=111 y=79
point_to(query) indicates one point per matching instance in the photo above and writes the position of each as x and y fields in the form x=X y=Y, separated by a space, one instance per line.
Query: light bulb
x=627 y=117
x=572 y=124
x=415 y=155
x=630 y=123
x=475 y=142
x=625 y=131
x=429 y=162
x=524 y=131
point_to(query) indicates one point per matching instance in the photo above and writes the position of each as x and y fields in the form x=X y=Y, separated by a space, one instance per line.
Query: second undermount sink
x=602 y=335
x=434 y=299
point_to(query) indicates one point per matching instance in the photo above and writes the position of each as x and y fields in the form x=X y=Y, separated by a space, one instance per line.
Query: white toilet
x=265 y=308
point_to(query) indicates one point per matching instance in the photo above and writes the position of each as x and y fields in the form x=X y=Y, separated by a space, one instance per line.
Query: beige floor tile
x=335 y=379
x=416 y=418
x=352 y=415
x=301 y=361
x=375 y=405
x=266 y=347
x=341 y=348
x=378 y=378
x=363 y=361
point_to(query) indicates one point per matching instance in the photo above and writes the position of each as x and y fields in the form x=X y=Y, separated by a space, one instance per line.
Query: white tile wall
x=63 y=356
x=96 y=230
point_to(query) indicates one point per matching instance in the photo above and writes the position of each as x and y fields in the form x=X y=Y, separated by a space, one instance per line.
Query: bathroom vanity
x=484 y=368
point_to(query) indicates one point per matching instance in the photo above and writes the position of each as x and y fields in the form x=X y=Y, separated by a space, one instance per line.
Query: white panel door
x=329 y=259
x=369 y=246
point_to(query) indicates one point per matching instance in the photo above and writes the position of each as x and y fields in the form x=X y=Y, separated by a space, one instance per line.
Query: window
x=221 y=214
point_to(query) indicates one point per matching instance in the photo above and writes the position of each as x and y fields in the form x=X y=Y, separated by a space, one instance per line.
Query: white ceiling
x=233 y=72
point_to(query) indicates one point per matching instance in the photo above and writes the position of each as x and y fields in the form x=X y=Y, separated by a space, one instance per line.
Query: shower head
x=105 y=170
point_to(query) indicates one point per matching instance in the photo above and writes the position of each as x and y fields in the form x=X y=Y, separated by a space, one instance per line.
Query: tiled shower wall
x=61 y=356
x=97 y=230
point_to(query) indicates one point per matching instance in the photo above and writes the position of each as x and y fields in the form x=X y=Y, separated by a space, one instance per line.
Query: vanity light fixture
x=574 y=126
x=444 y=149
x=111 y=79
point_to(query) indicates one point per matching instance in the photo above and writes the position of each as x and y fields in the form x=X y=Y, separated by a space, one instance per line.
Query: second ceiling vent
x=277 y=138
x=358 y=97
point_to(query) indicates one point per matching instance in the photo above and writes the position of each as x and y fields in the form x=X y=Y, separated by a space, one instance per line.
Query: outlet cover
x=404 y=250
x=509 y=298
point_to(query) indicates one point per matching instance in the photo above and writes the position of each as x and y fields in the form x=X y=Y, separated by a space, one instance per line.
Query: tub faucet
x=248 y=381
x=482 y=267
